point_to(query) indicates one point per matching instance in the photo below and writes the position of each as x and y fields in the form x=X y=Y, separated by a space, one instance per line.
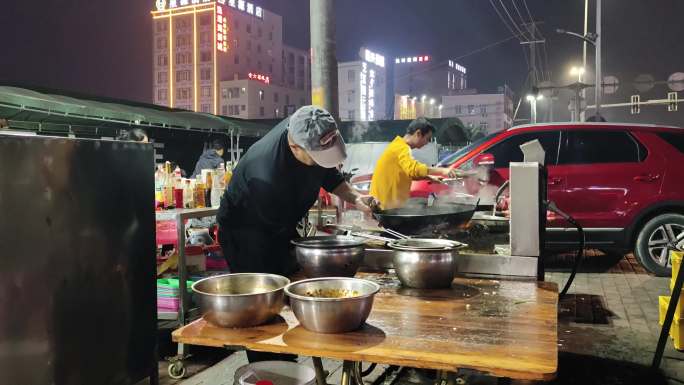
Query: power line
x=515 y=24
x=503 y=20
x=478 y=50
x=522 y=19
x=528 y=10
x=536 y=34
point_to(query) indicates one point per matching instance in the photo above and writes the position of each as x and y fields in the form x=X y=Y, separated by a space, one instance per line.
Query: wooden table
x=502 y=328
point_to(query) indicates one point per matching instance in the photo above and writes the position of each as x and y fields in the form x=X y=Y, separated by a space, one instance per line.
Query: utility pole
x=534 y=79
x=595 y=40
x=323 y=57
x=323 y=79
x=599 y=80
x=533 y=54
x=582 y=114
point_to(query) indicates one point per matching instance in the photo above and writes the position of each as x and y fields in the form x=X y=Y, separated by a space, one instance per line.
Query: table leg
x=320 y=373
x=347 y=373
x=182 y=278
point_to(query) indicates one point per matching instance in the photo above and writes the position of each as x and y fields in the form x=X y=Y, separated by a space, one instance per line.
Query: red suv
x=624 y=183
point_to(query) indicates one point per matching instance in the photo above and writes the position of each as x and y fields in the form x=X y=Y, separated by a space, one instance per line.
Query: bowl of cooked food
x=332 y=304
x=240 y=300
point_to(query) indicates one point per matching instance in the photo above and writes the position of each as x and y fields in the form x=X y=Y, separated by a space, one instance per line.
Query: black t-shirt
x=270 y=188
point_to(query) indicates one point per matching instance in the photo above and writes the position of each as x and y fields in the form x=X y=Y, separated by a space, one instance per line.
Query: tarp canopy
x=64 y=108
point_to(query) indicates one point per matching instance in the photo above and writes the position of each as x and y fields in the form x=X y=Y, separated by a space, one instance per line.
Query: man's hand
x=435 y=179
x=367 y=203
x=444 y=172
x=347 y=193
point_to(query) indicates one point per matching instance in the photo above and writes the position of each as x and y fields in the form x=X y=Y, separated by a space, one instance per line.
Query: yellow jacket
x=394 y=171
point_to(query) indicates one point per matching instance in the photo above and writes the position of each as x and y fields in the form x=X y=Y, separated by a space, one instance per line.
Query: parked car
x=623 y=183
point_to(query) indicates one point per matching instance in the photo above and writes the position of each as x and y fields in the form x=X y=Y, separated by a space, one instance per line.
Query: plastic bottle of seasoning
x=178 y=198
x=220 y=177
x=159 y=187
x=188 y=198
x=168 y=192
x=200 y=193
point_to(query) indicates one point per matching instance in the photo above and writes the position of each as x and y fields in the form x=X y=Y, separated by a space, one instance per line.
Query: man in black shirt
x=275 y=184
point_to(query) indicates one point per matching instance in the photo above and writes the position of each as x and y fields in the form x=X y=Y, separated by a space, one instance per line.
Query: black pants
x=255 y=250
x=252 y=250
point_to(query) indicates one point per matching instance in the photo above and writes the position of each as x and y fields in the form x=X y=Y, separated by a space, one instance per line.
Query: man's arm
x=348 y=194
x=417 y=170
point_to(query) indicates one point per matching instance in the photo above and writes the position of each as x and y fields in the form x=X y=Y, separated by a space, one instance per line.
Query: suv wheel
x=656 y=239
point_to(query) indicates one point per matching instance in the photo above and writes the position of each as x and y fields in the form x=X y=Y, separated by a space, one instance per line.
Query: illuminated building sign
x=242 y=5
x=260 y=77
x=457 y=66
x=221 y=29
x=372 y=57
x=364 y=87
x=412 y=59
x=371 y=95
x=164 y=4
x=247 y=7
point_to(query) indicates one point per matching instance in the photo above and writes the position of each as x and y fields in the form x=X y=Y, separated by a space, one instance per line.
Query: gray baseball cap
x=315 y=130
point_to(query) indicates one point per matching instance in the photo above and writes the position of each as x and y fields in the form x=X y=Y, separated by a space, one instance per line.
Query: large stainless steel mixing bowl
x=425 y=263
x=329 y=256
x=240 y=300
x=332 y=315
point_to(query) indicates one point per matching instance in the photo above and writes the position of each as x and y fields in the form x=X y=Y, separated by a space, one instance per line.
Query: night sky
x=101 y=47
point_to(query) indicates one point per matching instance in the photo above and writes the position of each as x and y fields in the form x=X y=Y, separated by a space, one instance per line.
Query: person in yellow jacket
x=396 y=168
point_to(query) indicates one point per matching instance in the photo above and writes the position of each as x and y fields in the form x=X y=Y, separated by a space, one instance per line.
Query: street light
x=577 y=71
x=432 y=101
x=422 y=98
x=595 y=40
x=533 y=106
x=579 y=93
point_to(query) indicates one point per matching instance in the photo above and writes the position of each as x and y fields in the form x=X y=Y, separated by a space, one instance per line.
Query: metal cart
x=172 y=320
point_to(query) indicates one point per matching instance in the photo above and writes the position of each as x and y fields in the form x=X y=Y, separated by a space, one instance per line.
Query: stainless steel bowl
x=423 y=266
x=332 y=315
x=329 y=256
x=240 y=300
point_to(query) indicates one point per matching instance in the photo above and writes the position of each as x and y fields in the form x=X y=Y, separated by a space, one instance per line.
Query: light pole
x=533 y=106
x=579 y=91
x=595 y=40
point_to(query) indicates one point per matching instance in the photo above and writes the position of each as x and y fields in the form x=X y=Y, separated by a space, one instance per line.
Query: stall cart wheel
x=176 y=370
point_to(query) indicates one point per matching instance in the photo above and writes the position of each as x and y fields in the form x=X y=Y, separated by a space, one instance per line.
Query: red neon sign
x=260 y=77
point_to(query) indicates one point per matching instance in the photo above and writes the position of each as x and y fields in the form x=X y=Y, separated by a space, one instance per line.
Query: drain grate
x=583 y=309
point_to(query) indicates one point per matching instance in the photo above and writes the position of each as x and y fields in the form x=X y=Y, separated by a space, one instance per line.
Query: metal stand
x=176 y=367
x=347 y=373
x=669 y=317
x=320 y=373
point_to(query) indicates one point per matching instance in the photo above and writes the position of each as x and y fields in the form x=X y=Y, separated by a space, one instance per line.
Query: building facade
x=254 y=99
x=422 y=75
x=200 y=43
x=362 y=88
x=411 y=107
x=485 y=112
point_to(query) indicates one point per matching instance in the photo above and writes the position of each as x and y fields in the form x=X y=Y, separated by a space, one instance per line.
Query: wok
x=414 y=220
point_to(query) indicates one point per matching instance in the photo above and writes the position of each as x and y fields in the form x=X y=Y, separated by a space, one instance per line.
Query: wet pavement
x=608 y=331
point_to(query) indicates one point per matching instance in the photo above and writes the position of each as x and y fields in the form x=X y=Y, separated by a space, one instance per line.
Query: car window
x=461 y=152
x=674 y=139
x=509 y=151
x=588 y=147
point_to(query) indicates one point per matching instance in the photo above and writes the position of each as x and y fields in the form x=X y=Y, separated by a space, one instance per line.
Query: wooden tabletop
x=504 y=328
